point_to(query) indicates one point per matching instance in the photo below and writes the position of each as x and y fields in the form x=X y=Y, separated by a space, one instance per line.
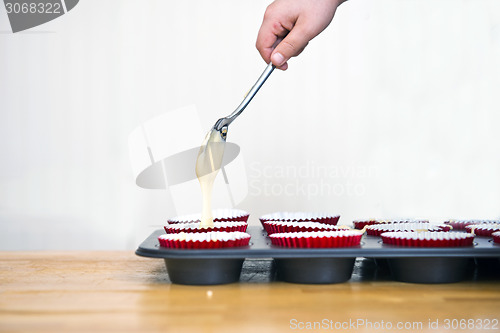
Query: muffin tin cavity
x=317 y=265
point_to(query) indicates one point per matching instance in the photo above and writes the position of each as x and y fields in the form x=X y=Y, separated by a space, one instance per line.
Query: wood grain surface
x=120 y=292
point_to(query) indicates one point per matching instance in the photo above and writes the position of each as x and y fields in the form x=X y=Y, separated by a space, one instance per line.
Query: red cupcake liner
x=195 y=227
x=496 y=237
x=317 y=239
x=300 y=217
x=208 y=240
x=461 y=224
x=379 y=229
x=428 y=239
x=360 y=224
x=483 y=230
x=219 y=215
x=273 y=227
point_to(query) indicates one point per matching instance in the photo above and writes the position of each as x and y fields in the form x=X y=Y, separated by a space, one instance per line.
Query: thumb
x=291 y=46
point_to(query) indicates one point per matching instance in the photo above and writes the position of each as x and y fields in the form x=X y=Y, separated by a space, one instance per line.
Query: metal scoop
x=211 y=152
x=222 y=124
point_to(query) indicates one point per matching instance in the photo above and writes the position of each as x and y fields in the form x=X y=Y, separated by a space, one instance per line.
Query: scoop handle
x=253 y=91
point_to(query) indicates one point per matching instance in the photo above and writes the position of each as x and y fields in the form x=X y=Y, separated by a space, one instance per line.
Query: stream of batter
x=208 y=163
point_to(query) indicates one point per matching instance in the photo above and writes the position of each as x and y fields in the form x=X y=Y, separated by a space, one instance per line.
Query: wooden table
x=120 y=292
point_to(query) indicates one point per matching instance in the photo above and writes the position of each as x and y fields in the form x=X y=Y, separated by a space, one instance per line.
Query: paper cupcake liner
x=207 y=240
x=428 y=239
x=377 y=230
x=273 y=227
x=195 y=227
x=360 y=224
x=219 y=215
x=496 y=237
x=317 y=239
x=301 y=217
x=483 y=230
x=461 y=224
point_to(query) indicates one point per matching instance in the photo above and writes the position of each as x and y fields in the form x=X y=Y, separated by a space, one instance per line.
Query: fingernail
x=277 y=59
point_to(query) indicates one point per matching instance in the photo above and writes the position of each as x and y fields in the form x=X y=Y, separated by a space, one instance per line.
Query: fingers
x=289 y=25
x=291 y=46
x=271 y=33
x=265 y=45
x=281 y=38
x=283 y=67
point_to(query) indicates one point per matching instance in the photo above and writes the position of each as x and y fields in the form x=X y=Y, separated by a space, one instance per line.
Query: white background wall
x=399 y=101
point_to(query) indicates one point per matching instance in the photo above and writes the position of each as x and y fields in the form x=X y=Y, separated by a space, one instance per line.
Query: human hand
x=289 y=25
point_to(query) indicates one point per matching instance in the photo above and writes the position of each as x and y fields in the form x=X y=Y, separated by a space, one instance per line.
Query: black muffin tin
x=318 y=265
